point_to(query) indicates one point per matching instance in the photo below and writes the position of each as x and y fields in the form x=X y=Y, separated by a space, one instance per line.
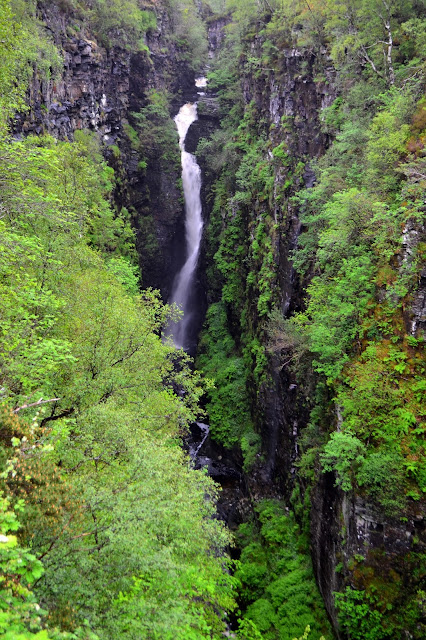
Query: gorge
x=286 y=218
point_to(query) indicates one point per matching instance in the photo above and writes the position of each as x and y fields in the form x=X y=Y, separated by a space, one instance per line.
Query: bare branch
x=35 y=404
x=370 y=61
x=56 y=538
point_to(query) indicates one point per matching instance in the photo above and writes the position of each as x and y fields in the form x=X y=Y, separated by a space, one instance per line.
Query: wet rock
x=216 y=33
x=415 y=315
x=349 y=532
x=224 y=466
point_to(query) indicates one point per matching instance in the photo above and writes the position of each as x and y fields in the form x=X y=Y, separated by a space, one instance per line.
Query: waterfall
x=191 y=179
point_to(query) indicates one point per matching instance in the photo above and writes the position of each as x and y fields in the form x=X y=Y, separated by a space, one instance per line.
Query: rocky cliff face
x=99 y=89
x=353 y=541
x=91 y=93
x=415 y=314
x=290 y=101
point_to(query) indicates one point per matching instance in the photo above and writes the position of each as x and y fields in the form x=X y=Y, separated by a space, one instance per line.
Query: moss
x=385 y=589
x=277 y=586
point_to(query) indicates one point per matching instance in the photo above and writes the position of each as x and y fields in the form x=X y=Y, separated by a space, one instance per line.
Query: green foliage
x=280 y=152
x=129 y=542
x=228 y=407
x=343 y=453
x=386 y=411
x=24 y=44
x=351 y=241
x=125 y=273
x=146 y=563
x=53 y=193
x=388 y=136
x=155 y=135
x=11 y=96
x=132 y=134
x=278 y=591
x=120 y=22
x=336 y=305
x=21 y=617
x=228 y=261
x=114 y=429
x=374 y=474
x=141 y=553
x=359 y=617
x=242 y=194
x=359 y=259
x=250 y=443
x=189 y=32
x=18 y=608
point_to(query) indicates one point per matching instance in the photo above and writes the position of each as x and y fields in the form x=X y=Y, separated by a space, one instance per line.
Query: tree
x=365 y=31
x=21 y=617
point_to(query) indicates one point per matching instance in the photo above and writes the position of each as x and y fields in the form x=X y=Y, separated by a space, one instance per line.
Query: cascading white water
x=191 y=179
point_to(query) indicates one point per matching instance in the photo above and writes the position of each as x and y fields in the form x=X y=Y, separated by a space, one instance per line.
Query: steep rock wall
x=99 y=89
x=353 y=541
x=290 y=100
x=91 y=92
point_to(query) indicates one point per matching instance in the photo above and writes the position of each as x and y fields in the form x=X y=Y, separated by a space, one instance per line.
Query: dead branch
x=35 y=404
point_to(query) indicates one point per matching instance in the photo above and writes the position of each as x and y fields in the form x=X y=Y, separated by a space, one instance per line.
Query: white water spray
x=191 y=179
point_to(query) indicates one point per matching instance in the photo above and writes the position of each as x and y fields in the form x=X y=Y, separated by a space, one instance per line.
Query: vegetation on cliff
x=277 y=588
x=354 y=346
x=106 y=530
